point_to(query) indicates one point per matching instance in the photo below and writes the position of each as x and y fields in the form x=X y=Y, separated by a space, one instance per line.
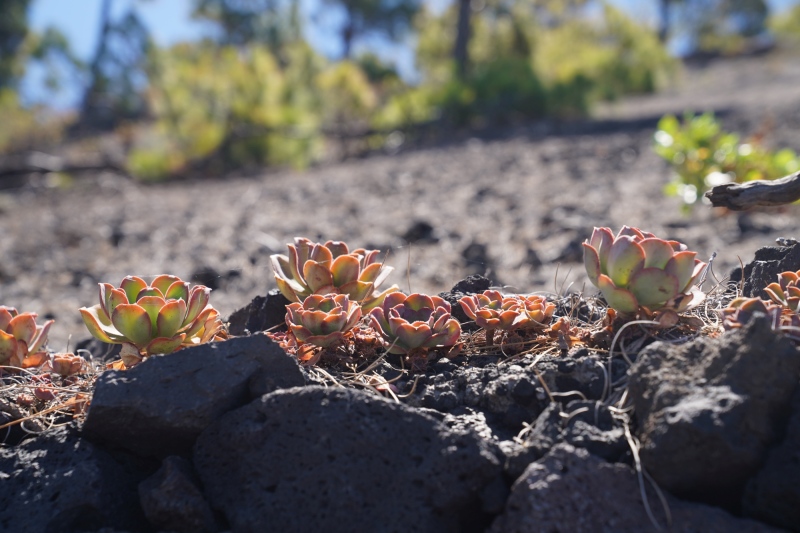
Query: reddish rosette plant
x=741 y=310
x=159 y=318
x=786 y=292
x=493 y=311
x=638 y=272
x=412 y=325
x=331 y=268
x=21 y=339
x=322 y=320
x=65 y=364
x=538 y=310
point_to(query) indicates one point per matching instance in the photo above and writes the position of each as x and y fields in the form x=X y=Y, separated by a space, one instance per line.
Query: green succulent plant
x=330 y=268
x=21 y=339
x=153 y=319
x=636 y=271
x=416 y=322
x=322 y=320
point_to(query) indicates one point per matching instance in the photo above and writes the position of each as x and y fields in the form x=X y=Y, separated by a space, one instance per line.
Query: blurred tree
x=664 y=11
x=116 y=71
x=717 y=26
x=520 y=13
x=274 y=23
x=13 y=31
x=390 y=17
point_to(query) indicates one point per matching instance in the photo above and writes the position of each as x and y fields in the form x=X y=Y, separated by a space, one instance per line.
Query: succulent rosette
x=65 y=364
x=786 y=292
x=636 y=270
x=21 y=339
x=492 y=310
x=331 y=268
x=416 y=321
x=741 y=310
x=153 y=319
x=538 y=310
x=322 y=320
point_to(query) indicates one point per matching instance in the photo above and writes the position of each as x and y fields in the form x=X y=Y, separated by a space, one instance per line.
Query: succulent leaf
x=179 y=290
x=41 y=336
x=164 y=345
x=132 y=321
x=170 y=318
x=132 y=285
x=591 y=260
x=657 y=253
x=198 y=300
x=682 y=266
x=345 y=269
x=23 y=327
x=653 y=287
x=6 y=314
x=317 y=275
x=152 y=305
x=625 y=258
x=620 y=299
x=164 y=281
x=8 y=347
x=99 y=325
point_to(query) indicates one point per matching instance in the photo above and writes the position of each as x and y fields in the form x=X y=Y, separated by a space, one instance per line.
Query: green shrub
x=702 y=155
x=227 y=105
x=23 y=128
x=602 y=59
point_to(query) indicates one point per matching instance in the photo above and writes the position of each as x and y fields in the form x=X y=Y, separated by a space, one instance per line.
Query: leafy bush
x=22 y=128
x=228 y=104
x=347 y=96
x=702 y=155
x=602 y=60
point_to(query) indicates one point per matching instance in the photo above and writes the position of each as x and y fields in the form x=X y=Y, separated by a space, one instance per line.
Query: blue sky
x=170 y=22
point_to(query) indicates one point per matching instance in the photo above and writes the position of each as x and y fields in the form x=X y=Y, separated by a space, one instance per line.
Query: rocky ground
x=513 y=204
x=700 y=432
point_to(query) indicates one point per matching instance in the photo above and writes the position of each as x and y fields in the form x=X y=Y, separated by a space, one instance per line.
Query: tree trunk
x=461 y=48
x=95 y=89
x=663 y=27
x=347 y=40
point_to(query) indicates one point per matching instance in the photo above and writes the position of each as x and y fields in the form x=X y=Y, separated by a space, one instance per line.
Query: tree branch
x=740 y=196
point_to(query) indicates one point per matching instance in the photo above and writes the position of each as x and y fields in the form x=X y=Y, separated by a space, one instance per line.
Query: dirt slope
x=516 y=204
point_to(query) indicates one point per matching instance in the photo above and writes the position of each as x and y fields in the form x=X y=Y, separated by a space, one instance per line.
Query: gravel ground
x=515 y=204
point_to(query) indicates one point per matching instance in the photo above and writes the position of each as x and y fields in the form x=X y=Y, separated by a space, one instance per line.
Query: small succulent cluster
x=638 y=273
x=781 y=308
x=492 y=311
x=331 y=289
x=158 y=318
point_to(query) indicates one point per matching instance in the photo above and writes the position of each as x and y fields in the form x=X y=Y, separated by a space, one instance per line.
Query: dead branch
x=759 y=193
